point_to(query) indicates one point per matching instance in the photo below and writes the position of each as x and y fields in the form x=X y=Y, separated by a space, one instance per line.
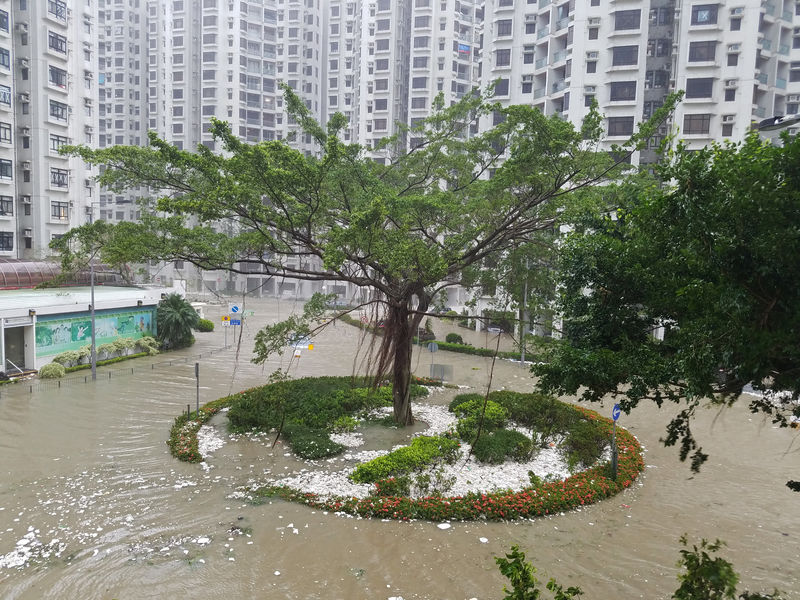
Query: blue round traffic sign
x=615 y=412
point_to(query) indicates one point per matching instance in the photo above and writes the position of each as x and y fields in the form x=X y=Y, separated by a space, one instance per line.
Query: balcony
x=539 y=92
x=543 y=3
x=562 y=23
x=765 y=44
x=759 y=111
x=783 y=49
x=780 y=83
x=787 y=16
x=560 y=55
x=559 y=85
x=762 y=78
x=540 y=63
x=543 y=32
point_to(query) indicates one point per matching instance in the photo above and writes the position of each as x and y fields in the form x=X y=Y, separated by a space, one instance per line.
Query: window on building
x=702 y=51
x=594 y=33
x=588 y=99
x=530 y=28
x=736 y=25
x=420 y=62
x=58 y=110
x=504 y=27
x=627 y=19
x=659 y=47
x=624 y=55
x=6 y=241
x=422 y=22
x=383 y=24
x=4 y=20
x=733 y=60
x=419 y=82
x=5 y=133
x=59 y=177
x=382 y=64
x=501 y=88
x=421 y=41
x=591 y=66
x=6 y=169
x=528 y=54
x=623 y=91
x=620 y=126
x=6 y=206
x=696 y=124
x=699 y=87
x=57 y=77
x=381 y=104
x=502 y=57
x=656 y=79
x=381 y=85
x=650 y=107
x=5 y=58
x=704 y=14
x=57 y=9
x=56 y=42
x=419 y=102
x=730 y=95
x=59 y=210
x=57 y=141
x=727 y=129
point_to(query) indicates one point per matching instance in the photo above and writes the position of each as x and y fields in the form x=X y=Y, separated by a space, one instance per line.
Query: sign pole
x=614 y=456
x=197 y=378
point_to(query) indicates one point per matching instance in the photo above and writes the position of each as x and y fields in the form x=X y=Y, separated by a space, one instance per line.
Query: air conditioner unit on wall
x=728 y=118
x=25 y=199
x=26 y=164
x=592 y=54
x=23 y=27
x=594 y=21
x=731 y=83
x=589 y=89
x=738 y=10
x=793 y=98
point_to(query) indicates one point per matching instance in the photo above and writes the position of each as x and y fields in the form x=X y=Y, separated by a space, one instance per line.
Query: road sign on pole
x=236 y=321
x=614 y=456
x=234 y=309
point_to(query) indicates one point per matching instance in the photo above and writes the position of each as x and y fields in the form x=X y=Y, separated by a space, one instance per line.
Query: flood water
x=88 y=487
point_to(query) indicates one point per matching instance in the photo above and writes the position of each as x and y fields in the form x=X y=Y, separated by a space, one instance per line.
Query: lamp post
x=90 y=212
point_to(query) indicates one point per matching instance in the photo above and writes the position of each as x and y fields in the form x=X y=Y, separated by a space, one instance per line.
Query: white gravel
x=458 y=479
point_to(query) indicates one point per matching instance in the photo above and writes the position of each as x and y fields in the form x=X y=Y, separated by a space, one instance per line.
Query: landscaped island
x=510 y=456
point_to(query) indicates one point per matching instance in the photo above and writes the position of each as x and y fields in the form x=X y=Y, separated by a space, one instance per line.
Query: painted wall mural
x=54 y=336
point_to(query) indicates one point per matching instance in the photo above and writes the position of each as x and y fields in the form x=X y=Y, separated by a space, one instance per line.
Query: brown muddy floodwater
x=92 y=506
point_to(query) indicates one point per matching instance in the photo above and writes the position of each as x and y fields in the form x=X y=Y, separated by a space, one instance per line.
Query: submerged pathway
x=93 y=506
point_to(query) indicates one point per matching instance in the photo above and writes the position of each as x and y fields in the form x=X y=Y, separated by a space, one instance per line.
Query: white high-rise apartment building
x=733 y=58
x=48 y=99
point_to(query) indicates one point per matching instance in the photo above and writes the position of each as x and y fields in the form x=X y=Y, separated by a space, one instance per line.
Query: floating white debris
x=277 y=573
x=443 y=525
x=483 y=540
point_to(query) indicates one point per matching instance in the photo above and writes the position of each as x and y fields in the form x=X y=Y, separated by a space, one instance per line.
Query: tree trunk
x=401 y=326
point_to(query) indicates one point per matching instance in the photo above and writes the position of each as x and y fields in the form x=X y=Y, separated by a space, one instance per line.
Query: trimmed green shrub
x=544 y=414
x=453 y=338
x=148 y=344
x=496 y=446
x=108 y=361
x=68 y=358
x=584 y=443
x=311 y=444
x=470 y=417
x=461 y=399
x=423 y=452
x=393 y=486
x=205 y=325
x=53 y=370
x=344 y=424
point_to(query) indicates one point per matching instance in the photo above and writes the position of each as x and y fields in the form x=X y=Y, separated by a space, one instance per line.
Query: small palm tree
x=175 y=319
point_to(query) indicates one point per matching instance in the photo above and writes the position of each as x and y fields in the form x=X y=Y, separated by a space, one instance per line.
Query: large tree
x=707 y=256
x=404 y=229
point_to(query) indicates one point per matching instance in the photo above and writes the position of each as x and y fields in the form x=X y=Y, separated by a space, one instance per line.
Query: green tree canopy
x=707 y=255
x=427 y=219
